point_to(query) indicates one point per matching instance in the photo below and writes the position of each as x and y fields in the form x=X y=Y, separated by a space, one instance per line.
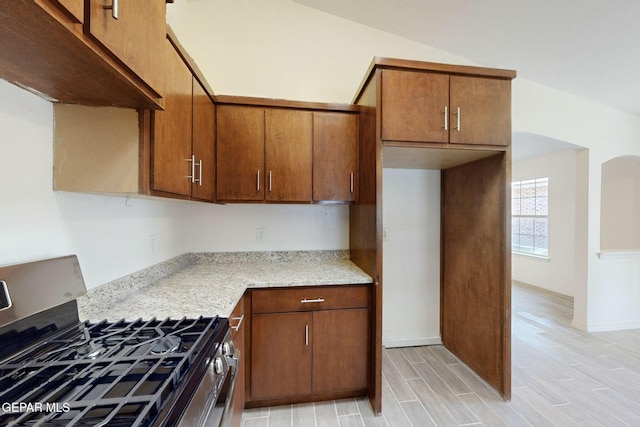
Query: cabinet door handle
x=192 y=177
x=239 y=319
x=458 y=120
x=114 y=9
x=258 y=181
x=446 y=118
x=351 y=181
x=270 y=181
x=308 y=301
x=306 y=335
x=200 y=173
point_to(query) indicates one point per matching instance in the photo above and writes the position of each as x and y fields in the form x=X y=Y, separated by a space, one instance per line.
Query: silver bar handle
x=309 y=301
x=270 y=181
x=258 y=181
x=114 y=9
x=200 y=174
x=446 y=118
x=192 y=177
x=306 y=335
x=458 y=120
x=239 y=319
x=351 y=181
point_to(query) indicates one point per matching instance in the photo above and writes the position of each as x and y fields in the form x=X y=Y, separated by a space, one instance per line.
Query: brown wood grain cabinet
x=423 y=106
x=309 y=343
x=182 y=136
x=403 y=124
x=285 y=151
x=134 y=32
x=74 y=51
x=335 y=149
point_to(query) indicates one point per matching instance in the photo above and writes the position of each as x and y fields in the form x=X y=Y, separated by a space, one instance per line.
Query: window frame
x=538 y=251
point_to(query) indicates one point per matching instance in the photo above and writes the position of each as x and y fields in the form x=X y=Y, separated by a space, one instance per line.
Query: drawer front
x=309 y=298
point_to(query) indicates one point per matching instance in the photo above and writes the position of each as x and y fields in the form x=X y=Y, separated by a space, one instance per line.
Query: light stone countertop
x=211 y=284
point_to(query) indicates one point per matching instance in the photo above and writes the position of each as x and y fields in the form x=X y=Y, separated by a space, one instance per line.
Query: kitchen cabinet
x=402 y=125
x=309 y=343
x=182 y=136
x=285 y=151
x=75 y=52
x=335 y=148
x=422 y=106
x=264 y=154
x=123 y=151
x=240 y=153
x=238 y=327
x=132 y=31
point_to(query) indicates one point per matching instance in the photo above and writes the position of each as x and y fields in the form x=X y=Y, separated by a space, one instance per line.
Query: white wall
x=411 y=262
x=556 y=273
x=621 y=204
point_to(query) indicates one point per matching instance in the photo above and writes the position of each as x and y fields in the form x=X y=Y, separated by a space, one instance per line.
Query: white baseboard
x=411 y=342
x=610 y=326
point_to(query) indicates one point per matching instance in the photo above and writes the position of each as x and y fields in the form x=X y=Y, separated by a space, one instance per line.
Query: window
x=530 y=216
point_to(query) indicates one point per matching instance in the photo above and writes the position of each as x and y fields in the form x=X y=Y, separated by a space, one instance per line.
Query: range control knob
x=218 y=366
x=226 y=349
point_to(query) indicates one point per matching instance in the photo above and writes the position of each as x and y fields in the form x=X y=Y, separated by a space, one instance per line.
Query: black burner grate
x=115 y=374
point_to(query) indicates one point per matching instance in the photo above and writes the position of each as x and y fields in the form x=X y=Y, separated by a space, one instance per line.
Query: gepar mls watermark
x=22 y=407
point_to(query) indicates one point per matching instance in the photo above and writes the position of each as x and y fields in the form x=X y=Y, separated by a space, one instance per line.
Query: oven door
x=211 y=403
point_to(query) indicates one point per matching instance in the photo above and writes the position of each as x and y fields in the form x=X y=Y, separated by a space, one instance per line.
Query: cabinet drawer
x=309 y=298
x=236 y=320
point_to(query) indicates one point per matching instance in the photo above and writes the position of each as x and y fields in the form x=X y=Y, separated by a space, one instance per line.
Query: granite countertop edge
x=209 y=284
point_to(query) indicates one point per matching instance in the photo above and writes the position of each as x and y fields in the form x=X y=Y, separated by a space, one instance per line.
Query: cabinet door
x=240 y=153
x=280 y=355
x=135 y=37
x=171 y=140
x=484 y=115
x=413 y=106
x=335 y=145
x=340 y=349
x=203 y=144
x=288 y=155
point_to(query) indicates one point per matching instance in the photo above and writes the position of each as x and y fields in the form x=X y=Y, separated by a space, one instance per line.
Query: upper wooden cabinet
x=182 y=136
x=335 y=149
x=423 y=106
x=288 y=151
x=240 y=153
x=285 y=151
x=168 y=153
x=74 y=51
x=134 y=32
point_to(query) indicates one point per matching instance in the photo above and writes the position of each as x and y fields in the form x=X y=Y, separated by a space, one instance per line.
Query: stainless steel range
x=58 y=371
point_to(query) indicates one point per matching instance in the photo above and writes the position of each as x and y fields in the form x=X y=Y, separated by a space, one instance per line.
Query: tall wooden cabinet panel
x=484 y=115
x=240 y=153
x=335 y=147
x=288 y=155
x=413 y=106
x=281 y=355
x=203 y=144
x=134 y=32
x=172 y=129
x=475 y=253
x=340 y=346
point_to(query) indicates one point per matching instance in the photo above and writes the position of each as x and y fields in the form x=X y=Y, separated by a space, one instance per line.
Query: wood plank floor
x=561 y=377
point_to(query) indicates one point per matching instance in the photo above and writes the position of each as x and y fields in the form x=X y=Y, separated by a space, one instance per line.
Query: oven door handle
x=227 y=415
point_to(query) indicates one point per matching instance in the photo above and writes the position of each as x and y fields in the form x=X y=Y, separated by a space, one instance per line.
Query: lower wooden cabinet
x=309 y=343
